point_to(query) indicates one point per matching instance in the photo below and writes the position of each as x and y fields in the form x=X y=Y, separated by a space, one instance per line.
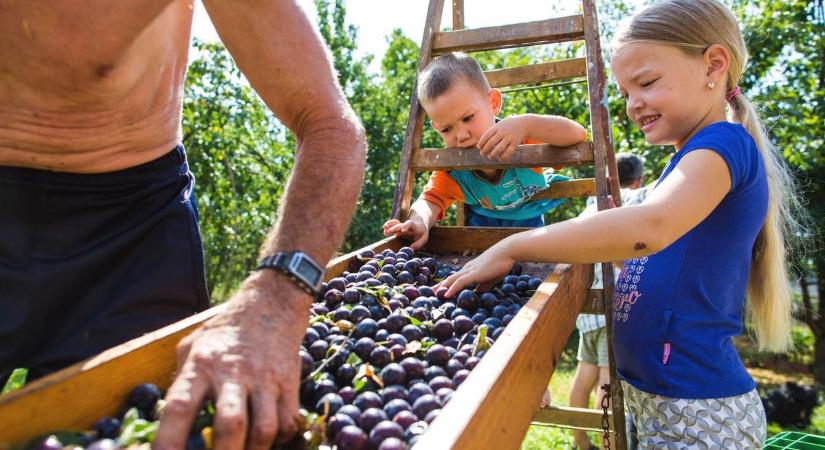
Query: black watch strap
x=299 y=267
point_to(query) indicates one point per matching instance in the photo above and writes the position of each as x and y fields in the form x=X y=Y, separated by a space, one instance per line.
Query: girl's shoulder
x=718 y=134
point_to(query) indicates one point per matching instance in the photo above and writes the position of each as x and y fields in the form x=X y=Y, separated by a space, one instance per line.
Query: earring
x=711 y=85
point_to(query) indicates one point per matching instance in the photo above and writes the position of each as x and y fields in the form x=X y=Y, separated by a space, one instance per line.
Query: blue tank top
x=675 y=312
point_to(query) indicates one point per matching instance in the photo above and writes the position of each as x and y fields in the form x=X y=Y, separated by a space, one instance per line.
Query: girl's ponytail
x=769 y=290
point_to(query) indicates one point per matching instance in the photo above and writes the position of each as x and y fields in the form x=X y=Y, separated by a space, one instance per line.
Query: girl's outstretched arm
x=684 y=199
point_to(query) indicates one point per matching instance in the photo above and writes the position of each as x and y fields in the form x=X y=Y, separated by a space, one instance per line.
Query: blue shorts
x=88 y=261
x=474 y=219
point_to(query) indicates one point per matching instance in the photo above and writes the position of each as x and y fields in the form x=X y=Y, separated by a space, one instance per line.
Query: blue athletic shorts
x=88 y=261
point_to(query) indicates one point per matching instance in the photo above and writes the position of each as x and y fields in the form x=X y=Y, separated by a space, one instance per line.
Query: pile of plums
x=384 y=352
x=382 y=355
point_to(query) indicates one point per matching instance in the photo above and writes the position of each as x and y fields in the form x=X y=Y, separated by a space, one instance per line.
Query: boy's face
x=463 y=113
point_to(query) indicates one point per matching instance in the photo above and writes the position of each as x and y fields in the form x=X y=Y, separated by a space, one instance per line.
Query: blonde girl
x=711 y=231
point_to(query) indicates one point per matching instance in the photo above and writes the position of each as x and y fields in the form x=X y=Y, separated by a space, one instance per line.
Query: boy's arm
x=553 y=130
x=501 y=140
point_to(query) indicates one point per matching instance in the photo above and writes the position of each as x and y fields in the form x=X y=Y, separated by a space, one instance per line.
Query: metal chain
x=605 y=418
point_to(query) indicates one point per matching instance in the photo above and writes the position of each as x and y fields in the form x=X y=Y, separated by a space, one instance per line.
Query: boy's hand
x=412 y=229
x=486 y=269
x=500 y=141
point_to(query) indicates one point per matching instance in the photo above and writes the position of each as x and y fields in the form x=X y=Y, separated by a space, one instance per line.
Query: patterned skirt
x=717 y=423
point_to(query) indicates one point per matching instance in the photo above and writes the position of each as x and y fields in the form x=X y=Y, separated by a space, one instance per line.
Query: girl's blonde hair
x=692 y=26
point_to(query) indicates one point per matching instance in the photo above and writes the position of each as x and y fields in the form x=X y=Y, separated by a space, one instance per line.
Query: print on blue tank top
x=675 y=312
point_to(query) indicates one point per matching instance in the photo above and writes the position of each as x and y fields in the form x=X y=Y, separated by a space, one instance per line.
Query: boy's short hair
x=630 y=167
x=445 y=70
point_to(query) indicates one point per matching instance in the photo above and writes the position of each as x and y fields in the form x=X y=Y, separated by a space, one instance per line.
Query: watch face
x=306 y=270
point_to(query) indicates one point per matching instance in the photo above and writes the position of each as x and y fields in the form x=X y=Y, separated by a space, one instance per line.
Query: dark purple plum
x=441 y=382
x=381 y=335
x=462 y=325
x=453 y=366
x=434 y=371
x=492 y=322
x=407 y=251
x=318 y=349
x=387 y=278
x=411 y=292
x=397 y=351
x=310 y=336
x=380 y=356
x=307 y=363
x=370 y=418
x=338 y=422
x=350 y=410
x=351 y=296
x=418 y=390
x=338 y=283
x=145 y=396
x=425 y=404
x=319 y=310
x=324 y=387
x=438 y=355
x=333 y=298
x=460 y=376
x=351 y=438
x=393 y=392
x=507 y=288
x=413 y=368
x=441 y=293
x=395 y=406
x=422 y=314
x=367 y=400
x=365 y=328
x=363 y=347
x=333 y=400
x=397 y=339
x=466 y=299
x=359 y=313
x=107 y=428
x=405 y=277
x=393 y=373
x=444 y=394
x=405 y=418
x=442 y=329
x=432 y=415
x=412 y=332
x=340 y=314
x=393 y=443
x=487 y=300
x=534 y=283
x=459 y=312
x=347 y=394
x=345 y=374
x=383 y=431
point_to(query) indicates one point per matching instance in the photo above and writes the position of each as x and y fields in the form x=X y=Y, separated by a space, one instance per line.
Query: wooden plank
x=76 y=397
x=495 y=405
x=584 y=187
x=560 y=29
x=449 y=240
x=537 y=73
x=529 y=155
x=458 y=14
x=606 y=184
x=402 y=197
x=570 y=417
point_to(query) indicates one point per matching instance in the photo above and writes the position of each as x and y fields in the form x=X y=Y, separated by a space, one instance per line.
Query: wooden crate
x=491 y=409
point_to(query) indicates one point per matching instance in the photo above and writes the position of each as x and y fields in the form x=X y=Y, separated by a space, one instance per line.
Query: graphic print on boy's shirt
x=626 y=292
x=517 y=196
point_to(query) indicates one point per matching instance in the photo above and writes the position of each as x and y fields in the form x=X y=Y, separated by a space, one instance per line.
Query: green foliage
x=238 y=153
x=16 y=380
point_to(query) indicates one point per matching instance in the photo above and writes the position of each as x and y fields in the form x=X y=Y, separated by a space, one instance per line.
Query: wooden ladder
x=598 y=153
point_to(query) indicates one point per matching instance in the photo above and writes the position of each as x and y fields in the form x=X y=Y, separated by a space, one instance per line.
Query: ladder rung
x=559 y=29
x=584 y=187
x=569 y=417
x=528 y=155
x=537 y=73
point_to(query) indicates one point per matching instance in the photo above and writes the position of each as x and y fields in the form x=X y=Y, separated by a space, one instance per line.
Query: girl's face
x=463 y=113
x=667 y=93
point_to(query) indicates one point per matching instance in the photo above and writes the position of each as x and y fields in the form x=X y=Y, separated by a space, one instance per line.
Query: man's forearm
x=322 y=192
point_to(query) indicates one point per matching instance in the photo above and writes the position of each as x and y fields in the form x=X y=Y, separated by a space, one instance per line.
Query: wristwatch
x=299 y=267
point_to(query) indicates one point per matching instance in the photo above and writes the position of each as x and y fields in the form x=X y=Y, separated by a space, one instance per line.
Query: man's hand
x=414 y=230
x=500 y=141
x=246 y=359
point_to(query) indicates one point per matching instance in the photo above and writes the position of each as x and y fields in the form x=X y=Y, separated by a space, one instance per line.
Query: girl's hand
x=500 y=141
x=486 y=270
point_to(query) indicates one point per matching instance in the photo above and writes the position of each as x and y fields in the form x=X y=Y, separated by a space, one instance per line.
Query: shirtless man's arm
x=247 y=358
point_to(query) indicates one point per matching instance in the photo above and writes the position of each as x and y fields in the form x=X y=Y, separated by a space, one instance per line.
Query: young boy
x=462 y=108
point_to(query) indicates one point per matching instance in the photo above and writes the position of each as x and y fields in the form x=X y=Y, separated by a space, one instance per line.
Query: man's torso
x=91 y=86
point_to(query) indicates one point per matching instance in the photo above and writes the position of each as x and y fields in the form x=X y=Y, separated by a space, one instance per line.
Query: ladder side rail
x=412 y=136
x=458 y=14
x=603 y=157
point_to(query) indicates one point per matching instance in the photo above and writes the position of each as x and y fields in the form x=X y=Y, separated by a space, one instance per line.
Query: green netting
x=795 y=440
